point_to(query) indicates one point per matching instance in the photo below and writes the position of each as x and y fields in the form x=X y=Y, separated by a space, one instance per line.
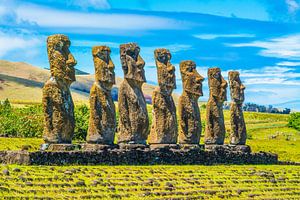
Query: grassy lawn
x=150 y=182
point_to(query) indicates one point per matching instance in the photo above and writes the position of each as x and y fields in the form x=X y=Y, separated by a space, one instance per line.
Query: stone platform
x=141 y=155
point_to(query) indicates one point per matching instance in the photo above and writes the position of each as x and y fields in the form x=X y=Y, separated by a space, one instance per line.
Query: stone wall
x=221 y=154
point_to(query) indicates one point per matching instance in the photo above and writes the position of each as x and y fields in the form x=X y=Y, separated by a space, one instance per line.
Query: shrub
x=82 y=115
x=28 y=121
x=294 y=120
x=20 y=122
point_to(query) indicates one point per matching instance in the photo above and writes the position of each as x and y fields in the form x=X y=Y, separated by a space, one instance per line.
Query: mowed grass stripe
x=151 y=182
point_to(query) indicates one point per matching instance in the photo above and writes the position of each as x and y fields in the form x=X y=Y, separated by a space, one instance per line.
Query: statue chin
x=106 y=85
x=196 y=94
x=136 y=80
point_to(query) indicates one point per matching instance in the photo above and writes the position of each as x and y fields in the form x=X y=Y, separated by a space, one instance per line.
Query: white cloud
x=54 y=18
x=174 y=48
x=215 y=36
x=287 y=47
x=11 y=41
x=269 y=75
x=96 y=4
x=264 y=80
x=2 y=10
x=91 y=43
x=293 y=6
x=288 y=63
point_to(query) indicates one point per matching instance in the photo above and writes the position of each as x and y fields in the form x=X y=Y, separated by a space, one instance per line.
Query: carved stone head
x=104 y=67
x=165 y=70
x=61 y=60
x=191 y=79
x=217 y=85
x=132 y=63
x=236 y=87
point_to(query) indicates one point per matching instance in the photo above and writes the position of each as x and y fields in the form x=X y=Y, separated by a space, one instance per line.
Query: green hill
x=21 y=82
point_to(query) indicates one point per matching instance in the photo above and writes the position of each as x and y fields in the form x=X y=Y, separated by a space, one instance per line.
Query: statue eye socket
x=217 y=75
x=132 y=54
x=102 y=56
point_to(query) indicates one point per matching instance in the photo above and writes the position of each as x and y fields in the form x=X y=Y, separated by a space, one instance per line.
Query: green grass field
x=266 y=132
x=151 y=182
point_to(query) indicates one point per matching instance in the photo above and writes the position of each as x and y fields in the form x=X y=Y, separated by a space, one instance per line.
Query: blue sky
x=260 y=38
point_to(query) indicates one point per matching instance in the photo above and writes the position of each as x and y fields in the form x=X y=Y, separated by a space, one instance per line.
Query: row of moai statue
x=133 y=116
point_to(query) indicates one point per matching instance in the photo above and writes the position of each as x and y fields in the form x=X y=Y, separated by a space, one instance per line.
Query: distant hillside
x=21 y=81
x=77 y=72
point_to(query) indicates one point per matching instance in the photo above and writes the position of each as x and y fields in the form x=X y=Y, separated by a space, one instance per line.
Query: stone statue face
x=217 y=85
x=61 y=60
x=236 y=87
x=165 y=70
x=191 y=79
x=132 y=63
x=104 y=67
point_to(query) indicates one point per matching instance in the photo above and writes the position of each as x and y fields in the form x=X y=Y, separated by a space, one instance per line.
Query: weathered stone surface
x=233 y=148
x=62 y=147
x=164 y=146
x=215 y=127
x=133 y=115
x=102 y=122
x=58 y=105
x=132 y=146
x=97 y=147
x=191 y=146
x=15 y=157
x=189 y=113
x=164 y=128
x=138 y=156
x=238 y=133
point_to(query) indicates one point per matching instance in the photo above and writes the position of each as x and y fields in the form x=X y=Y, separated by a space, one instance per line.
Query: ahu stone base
x=140 y=155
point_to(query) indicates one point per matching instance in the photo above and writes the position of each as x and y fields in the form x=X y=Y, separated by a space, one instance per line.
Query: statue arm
x=209 y=118
x=48 y=109
x=183 y=118
x=124 y=113
x=95 y=109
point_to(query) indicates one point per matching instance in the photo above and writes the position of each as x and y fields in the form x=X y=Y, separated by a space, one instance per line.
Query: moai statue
x=102 y=122
x=58 y=105
x=238 y=126
x=189 y=113
x=133 y=115
x=215 y=127
x=164 y=122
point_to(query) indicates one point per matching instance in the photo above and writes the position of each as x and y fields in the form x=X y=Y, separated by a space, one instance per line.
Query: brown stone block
x=127 y=146
x=62 y=147
x=164 y=146
x=97 y=147
x=235 y=148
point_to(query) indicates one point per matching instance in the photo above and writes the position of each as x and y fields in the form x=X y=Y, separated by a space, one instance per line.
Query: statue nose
x=171 y=69
x=199 y=79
